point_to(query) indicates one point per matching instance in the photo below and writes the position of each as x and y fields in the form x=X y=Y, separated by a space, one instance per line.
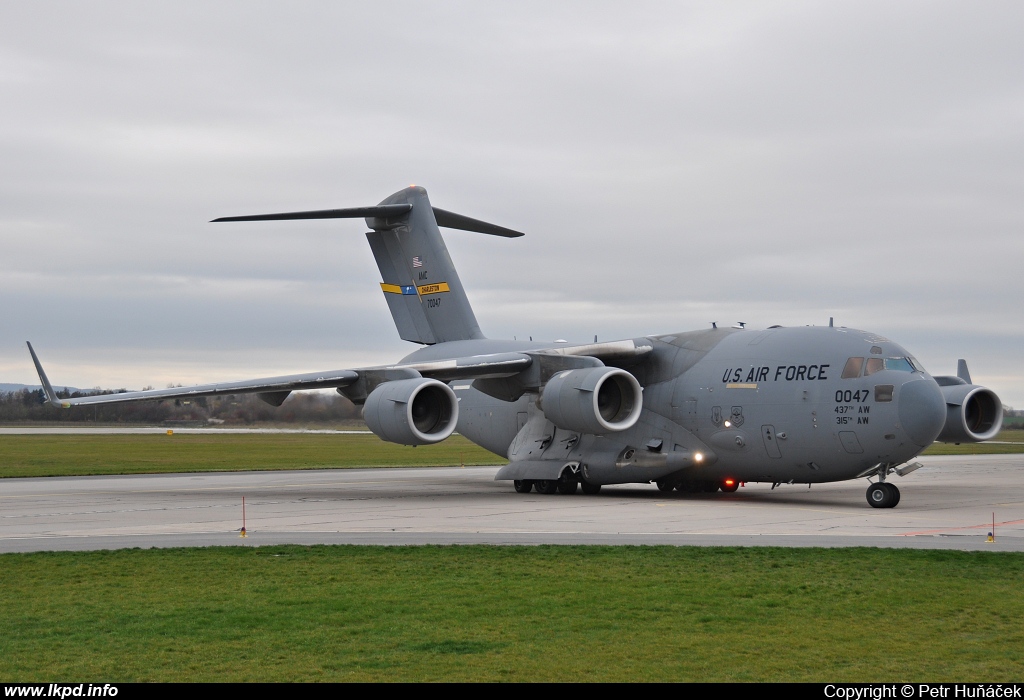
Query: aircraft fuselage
x=776 y=405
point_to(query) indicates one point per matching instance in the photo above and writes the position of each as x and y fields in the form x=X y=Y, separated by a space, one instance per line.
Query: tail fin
x=421 y=286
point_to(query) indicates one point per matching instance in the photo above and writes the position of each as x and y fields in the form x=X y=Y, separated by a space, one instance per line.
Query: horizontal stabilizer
x=443 y=218
x=382 y=211
x=450 y=219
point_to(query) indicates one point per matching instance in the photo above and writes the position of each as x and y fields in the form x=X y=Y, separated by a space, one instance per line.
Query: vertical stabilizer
x=420 y=283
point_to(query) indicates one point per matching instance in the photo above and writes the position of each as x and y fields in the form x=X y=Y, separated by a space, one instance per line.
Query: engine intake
x=593 y=400
x=973 y=413
x=412 y=411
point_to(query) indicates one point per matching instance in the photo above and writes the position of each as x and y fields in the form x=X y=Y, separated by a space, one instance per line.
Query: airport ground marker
x=242 y=532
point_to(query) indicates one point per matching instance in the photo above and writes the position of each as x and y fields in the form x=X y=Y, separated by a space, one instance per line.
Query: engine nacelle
x=412 y=411
x=973 y=413
x=593 y=400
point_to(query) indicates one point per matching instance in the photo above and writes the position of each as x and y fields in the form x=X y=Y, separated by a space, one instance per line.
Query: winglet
x=51 y=396
x=962 y=371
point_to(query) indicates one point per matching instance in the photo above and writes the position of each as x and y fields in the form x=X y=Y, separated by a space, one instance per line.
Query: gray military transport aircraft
x=694 y=411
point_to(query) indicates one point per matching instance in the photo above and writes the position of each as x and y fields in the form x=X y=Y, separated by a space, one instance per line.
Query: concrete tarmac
x=948 y=504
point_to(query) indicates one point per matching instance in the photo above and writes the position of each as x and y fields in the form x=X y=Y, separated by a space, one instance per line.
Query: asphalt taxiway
x=947 y=504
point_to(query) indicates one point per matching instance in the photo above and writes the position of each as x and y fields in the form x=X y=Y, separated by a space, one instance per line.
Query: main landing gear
x=883 y=495
x=523 y=485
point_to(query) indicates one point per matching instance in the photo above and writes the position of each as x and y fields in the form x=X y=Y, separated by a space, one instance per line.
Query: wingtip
x=962 y=371
x=51 y=396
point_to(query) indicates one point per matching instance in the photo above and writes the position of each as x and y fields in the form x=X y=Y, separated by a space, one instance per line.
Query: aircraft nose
x=922 y=410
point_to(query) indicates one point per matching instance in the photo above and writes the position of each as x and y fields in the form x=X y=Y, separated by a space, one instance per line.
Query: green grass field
x=511 y=613
x=1007 y=442
x=481 y=613
x=80 y=455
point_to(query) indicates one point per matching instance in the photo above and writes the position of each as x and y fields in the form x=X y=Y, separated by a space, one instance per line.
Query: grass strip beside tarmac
x=335 y=613
x=1007 y=442
x=81 y=455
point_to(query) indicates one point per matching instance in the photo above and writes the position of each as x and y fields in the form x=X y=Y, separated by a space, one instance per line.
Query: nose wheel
x=883 y=495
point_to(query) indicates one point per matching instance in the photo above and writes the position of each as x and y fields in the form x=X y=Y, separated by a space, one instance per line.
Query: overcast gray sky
x=672 y=164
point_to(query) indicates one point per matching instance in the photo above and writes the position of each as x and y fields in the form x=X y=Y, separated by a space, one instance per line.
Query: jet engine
x=593 y=400
x=416 y=411
x=973 y=413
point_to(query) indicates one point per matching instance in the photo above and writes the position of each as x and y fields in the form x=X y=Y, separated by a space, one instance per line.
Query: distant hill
x=33 y=387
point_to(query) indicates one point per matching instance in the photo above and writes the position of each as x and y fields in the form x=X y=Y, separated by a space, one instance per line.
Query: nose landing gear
x=883 y=495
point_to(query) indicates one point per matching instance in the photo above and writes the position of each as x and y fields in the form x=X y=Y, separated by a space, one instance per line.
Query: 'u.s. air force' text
x=787 y=373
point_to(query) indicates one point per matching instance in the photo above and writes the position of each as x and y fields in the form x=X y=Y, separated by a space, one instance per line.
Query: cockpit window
x=900 y=364
x=917 y=365
x=874 y=364
x=853 y=367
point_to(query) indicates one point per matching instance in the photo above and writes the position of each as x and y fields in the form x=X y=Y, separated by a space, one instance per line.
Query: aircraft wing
x=492 y=366
x=274 y=390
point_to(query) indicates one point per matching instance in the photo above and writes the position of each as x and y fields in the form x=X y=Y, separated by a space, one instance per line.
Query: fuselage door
x=684 y=407
x=771 y=442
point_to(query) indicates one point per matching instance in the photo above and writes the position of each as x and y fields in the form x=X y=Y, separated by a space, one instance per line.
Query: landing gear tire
x=589 y=488
x=729 y=488
x=546 y=486
x=567 y=487
x=895 y=494
x=523 y=485
x=883 y=495
x=665 y=485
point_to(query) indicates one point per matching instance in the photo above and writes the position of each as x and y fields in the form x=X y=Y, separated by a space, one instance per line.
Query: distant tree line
x=27 y=405
x=1012 y=418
